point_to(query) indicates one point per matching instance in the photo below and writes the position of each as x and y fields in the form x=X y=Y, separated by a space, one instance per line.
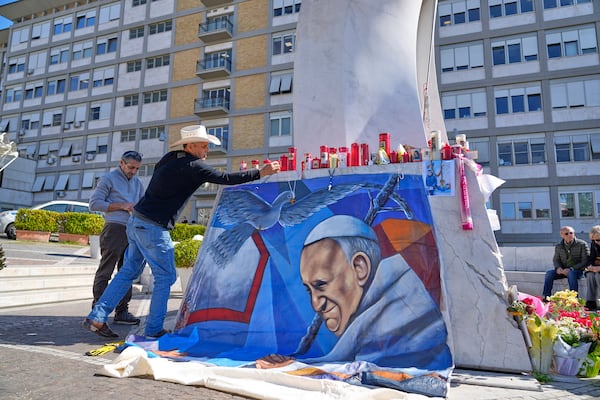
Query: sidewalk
x=42 y=356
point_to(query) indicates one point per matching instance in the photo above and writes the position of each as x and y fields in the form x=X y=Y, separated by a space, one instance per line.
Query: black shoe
x=591 y=305
x=103 y=331
x=157 y=335
x=125 y=318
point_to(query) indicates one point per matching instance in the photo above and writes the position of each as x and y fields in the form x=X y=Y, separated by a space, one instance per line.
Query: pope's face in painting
x=334 y=282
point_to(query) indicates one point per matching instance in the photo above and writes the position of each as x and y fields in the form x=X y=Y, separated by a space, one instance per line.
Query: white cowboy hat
x=195 y=133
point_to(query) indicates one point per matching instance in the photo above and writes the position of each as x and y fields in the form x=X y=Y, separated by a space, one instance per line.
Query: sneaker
x=125 y=318
x=157 y=335
x=104 y=330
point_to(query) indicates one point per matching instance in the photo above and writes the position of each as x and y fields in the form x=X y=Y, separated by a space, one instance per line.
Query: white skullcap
x=340 y=226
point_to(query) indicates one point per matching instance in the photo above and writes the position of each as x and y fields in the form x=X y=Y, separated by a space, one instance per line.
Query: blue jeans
x=551 y=276
x=147 y=243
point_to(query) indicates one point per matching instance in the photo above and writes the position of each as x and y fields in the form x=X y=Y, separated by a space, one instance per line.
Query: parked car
x=7 y=218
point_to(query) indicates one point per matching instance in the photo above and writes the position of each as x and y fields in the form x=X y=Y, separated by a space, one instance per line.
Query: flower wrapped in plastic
x=542 y=333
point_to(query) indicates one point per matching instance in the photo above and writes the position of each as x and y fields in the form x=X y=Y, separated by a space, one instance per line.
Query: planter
x=94 y=246
x=184 y=277
x=73 y=238
x=34 y=236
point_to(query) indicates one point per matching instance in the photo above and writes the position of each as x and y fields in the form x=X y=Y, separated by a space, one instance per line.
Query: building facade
x=521 y=79
x=81 y=83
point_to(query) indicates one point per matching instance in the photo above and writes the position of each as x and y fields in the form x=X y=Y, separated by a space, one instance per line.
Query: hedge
x=186 y=252
x=37 y=220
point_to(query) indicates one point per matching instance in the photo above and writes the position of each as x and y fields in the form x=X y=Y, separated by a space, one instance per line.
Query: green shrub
x=186 y=252
x=186 y=231
x=80 y=223
x=37 y=220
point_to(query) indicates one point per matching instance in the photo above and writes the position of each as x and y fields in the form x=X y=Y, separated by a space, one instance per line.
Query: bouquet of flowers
x=561 y=331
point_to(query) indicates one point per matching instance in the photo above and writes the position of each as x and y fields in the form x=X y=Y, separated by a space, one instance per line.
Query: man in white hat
x=176 y=177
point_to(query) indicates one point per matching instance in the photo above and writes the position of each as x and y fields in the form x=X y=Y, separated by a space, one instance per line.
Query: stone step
x=533 y=283
x=34 y=285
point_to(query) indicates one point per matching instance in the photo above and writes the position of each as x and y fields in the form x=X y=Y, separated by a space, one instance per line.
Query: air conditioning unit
x=76 y=158
x=60 y=193
x=77 y=124
x=90 y=156
x=22 y=132
x=51 y=160
x=30 y=72
x=67 y=127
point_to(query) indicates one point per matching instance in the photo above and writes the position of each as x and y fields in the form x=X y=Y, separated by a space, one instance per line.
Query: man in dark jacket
x=570 y=258
x=176 y=177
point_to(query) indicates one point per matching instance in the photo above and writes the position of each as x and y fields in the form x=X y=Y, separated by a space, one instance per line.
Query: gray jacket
x=579 y=253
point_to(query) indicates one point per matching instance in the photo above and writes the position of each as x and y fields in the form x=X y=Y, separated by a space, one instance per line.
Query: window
x=63 y=25
x=85 y=19
x=459 y=12
x=577 y=204
x=217 y=23
x=133 y=66
x=103 y=77
x=14 y=94
x=218 y=59
x=99 y=111
x=514 y=50
x=571 y=43
x=281 y=84
x=503 y=8
x=79 y=82
x=110 y=12
x=575 y=94
x=135 y=3
x=160 y=27
x=575 y=148
x=525 y=204
x=159 y=61
x=155 y=96
x=286 y=7
x=281 y=125
x=16 y=64
x=521 y=151
x=131 y=100
x=283 y=44
x=464 y=105
x=106 y=45
x=59 y=55
x=153 y=132
x=34 y=90
x=222 y=132
x=128 y=136
x=462 y=57
x=548 y=4
x=146 y=170
x=40 y=30
x=135 y=33
x=216 y=98
x=56 y=86
x=82 y=50
x=518 y=100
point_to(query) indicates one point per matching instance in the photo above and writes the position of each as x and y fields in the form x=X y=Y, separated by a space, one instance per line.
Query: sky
x=5 y=23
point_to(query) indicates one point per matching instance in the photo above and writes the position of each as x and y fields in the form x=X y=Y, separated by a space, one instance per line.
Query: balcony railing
x=221 y=29
x=211 y=107
x=214 y=68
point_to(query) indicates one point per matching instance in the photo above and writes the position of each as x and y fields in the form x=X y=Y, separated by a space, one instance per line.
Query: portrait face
x=568 y=234
x=334 y=283
x=198 y=149
x=130 y=167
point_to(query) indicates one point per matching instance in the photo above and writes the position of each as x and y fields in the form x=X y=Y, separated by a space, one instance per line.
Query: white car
x=7 y=218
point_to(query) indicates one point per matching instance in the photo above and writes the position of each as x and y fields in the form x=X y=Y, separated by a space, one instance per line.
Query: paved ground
x=42 y=356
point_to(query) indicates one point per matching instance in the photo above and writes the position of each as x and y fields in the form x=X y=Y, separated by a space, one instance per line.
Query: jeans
x=147 y=243
x=113 y=243
x=551 y=276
